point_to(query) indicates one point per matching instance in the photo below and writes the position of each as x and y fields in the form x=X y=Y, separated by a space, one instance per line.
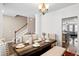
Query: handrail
x=19 y=30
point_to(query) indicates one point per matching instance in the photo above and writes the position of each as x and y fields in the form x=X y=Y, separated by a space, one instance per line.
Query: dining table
x=30 y=50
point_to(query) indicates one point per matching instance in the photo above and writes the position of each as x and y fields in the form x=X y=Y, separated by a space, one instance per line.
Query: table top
x=29 y=48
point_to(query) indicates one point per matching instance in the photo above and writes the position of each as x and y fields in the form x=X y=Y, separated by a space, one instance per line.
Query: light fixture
x=43 y=8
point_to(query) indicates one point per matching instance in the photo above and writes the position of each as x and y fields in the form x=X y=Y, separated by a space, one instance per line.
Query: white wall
x=52 y=22
x=11 y=24
x=1 y=21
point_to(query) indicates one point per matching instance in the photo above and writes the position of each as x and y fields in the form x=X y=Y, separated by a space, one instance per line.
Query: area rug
x=66 y=53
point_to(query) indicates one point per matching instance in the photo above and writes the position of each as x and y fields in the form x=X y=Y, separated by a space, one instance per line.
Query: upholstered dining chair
x=34 y=37
x=27 y=38
x=51 y=36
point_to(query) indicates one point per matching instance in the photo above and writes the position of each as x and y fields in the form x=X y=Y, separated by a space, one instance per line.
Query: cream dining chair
x=51 y=36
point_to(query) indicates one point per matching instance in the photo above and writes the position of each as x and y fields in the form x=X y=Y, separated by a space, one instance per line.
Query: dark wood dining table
x=30 y=50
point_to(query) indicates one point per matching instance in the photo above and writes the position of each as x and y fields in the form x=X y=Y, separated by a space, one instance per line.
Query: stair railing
x=18 y=31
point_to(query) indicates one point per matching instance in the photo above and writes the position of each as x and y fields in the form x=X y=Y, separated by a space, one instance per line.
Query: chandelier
x=43 y=8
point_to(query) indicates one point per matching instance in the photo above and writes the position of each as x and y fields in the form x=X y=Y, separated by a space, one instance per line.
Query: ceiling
x=29 y=9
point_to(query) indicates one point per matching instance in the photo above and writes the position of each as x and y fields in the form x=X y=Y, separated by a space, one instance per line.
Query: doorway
x=70 y=32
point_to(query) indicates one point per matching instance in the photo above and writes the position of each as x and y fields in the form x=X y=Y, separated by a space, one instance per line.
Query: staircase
x=27 y=28
x=20 y=33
